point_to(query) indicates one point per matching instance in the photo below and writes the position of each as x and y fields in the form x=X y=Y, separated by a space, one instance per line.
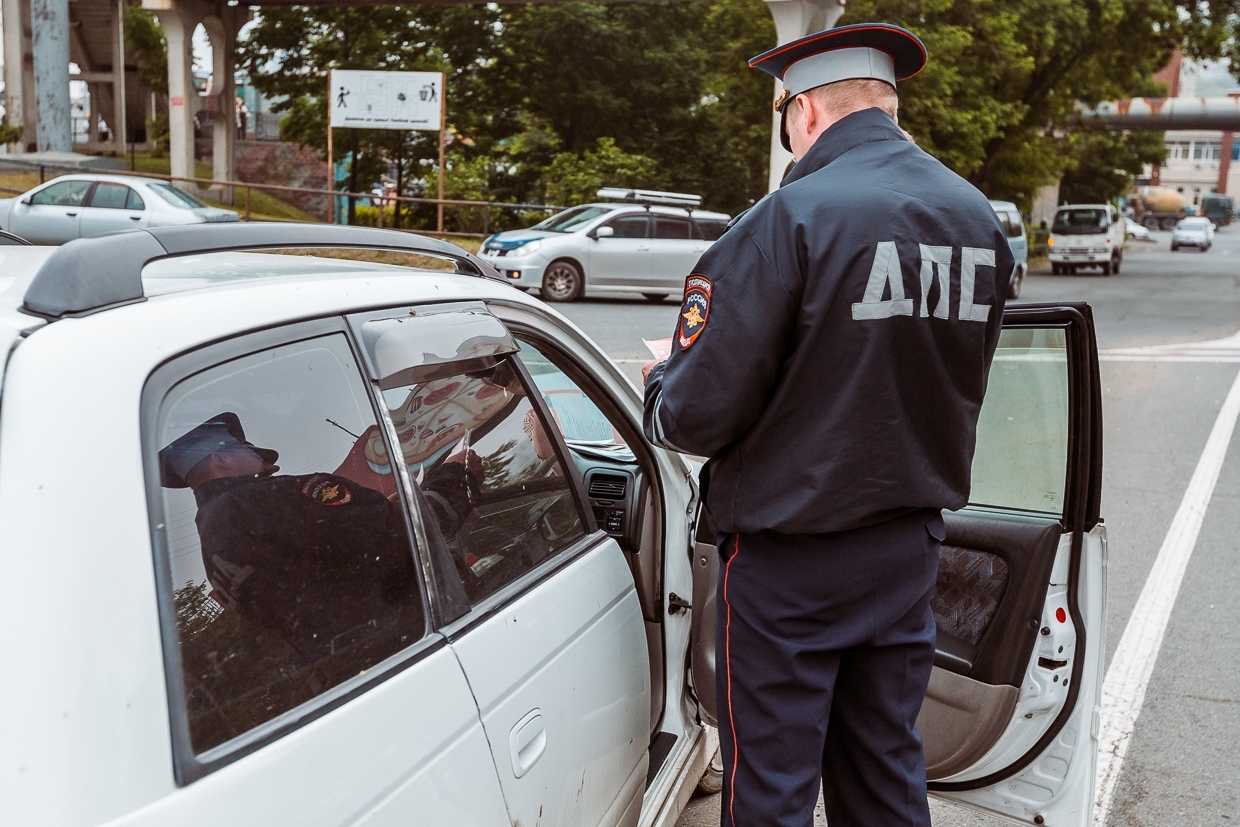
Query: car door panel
x=112 y=208
x=1020 y=595
x=622 y=260
x=411 y=748
x=571 y=649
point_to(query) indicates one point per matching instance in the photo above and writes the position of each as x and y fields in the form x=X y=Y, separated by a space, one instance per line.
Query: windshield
x=571 y=220
x=1193 y=224
x=1080 y=222
x=176 y=197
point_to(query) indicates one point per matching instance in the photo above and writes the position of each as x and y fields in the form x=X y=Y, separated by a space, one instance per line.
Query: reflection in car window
x=488 y=472
x=62 y=194
x=114 y=197
x=667 y=227
x=571 y=220
x=292 y=570
x=176 y=197
x=1021 y=459
x=630 y=226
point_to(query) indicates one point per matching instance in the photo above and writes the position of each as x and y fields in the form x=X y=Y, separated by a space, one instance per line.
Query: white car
x=647 y=244
x=1135 y=230
x=513 y=622
x=1086 y=235
x=1193 y=232
x=79 y=206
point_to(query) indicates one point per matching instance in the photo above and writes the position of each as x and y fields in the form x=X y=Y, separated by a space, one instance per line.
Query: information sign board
x=386 y=100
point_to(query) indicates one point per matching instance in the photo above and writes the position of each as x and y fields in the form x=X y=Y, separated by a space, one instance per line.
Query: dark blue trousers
x=825 y=645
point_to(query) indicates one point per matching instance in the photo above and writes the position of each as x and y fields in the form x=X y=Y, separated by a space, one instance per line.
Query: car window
x=671 y=227
x=1015 y=228
x=571 y=220
x=1022 y=432
x=488 y=473
x=578 y=418
x=290 y=562
x=115 y=197
x=62 y=194
x=1080 y=221
x=709 y=229
x=175 y=197
x=630 y=226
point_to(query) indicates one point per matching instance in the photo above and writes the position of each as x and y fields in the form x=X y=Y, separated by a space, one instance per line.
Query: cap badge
x=695 y=310
x=779 y=101
x=326 y=490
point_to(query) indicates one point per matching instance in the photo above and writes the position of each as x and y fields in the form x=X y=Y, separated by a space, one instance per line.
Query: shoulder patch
x=326 y=489
x=694 y=311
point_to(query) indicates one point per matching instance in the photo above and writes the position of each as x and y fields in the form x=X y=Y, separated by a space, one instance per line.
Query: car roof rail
x=92 y=274
x=648 y=197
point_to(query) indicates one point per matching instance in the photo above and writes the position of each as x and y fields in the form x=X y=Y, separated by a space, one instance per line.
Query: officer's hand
x=649 y=366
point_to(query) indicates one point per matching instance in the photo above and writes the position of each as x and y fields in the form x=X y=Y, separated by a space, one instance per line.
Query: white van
x=1086 y=235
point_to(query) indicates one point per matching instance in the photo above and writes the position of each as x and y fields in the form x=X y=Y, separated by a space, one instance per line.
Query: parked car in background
x=79 y=206
x=1014 y=228
x=648 y=243
x=1086 y=235
x=345 y=542
x=1135 y=230
x=1193 y=232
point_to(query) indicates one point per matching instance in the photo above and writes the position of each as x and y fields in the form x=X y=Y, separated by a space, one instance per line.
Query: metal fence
x=405 y=213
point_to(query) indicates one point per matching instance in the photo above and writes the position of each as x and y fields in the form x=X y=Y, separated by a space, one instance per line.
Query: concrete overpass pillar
x=50 y=40
x=179 y=18
x=222 y=27
x=19 y=71
x=793 y=19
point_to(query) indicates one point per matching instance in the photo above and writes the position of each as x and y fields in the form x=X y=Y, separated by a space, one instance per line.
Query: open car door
x=1009 y=721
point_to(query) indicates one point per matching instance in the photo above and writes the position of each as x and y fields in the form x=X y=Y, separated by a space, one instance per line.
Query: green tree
x=1006 y=77
x=1101 y=165
x=144 y=41
x=575 y=179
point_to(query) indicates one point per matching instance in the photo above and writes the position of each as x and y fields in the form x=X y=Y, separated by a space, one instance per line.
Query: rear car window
x=671 y=227
x=709 y=229
x=115 y=197
x=631 y=226
x=176 y=197
x=291 y=566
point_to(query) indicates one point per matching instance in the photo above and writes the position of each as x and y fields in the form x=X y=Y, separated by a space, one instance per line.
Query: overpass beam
x=793 y=19
x=50 y=42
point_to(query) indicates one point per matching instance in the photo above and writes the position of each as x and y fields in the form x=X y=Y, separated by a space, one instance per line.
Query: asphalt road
x=1182 y=768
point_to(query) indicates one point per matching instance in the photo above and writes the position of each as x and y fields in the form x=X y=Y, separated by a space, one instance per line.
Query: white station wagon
x=311 y=541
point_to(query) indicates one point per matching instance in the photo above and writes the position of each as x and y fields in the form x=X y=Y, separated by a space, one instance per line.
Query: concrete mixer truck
x=1157 y=208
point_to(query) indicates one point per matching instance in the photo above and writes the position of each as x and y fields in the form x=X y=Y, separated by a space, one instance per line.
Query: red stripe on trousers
x=727 y=656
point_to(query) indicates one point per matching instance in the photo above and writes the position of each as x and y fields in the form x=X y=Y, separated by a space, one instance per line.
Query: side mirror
x=604 y=232
x=26 y=201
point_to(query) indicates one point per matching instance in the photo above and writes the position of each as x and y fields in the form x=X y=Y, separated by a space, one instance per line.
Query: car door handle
x=527 y=742
x=643 y=249
x=135 y=218
x=71 y=214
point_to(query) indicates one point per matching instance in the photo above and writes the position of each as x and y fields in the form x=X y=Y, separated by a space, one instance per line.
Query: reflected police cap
x=222 y=432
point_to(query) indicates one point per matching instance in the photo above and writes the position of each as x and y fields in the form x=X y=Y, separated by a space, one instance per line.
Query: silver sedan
x=76 y=206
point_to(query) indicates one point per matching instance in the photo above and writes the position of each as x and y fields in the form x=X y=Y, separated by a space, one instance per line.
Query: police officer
x=830 y=360
x=316 y=558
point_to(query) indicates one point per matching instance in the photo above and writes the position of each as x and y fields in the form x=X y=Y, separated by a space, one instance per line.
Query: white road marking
x=1218 y=351
x=1123 y=690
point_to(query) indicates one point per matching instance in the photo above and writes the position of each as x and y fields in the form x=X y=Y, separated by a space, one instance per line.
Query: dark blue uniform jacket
x=832 y=351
